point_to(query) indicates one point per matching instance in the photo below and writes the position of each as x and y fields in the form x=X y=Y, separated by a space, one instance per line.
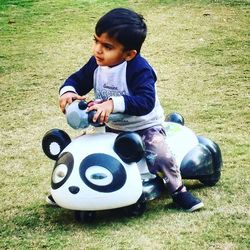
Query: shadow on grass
x=119 y=216
x=50 y=218
x=39 y=215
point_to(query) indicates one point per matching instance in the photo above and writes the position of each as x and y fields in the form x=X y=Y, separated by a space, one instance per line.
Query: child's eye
x=108 y=47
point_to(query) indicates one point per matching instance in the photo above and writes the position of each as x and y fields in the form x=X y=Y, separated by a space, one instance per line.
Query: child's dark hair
x=124 y=25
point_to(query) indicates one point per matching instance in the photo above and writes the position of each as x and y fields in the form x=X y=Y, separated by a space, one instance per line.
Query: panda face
x=90 y=175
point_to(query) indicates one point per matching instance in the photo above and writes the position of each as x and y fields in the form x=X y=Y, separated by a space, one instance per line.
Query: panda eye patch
x=102 y=173
x=62 y=170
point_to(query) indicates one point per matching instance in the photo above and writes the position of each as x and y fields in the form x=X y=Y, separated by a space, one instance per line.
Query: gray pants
x=159 y=158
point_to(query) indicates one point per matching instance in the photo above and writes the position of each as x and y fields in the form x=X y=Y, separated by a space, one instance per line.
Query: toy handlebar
x=78 y=117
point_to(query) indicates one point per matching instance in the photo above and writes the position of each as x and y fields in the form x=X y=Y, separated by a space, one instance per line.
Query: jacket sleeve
x=80 y=82
x=141 y=82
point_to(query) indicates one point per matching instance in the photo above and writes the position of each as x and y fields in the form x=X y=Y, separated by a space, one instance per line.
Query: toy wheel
x=136 y=209
x=175 y=117
x=85 y=216
x=210 y=180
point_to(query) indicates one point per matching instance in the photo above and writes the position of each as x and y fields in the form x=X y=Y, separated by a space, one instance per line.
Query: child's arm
x=78 y=84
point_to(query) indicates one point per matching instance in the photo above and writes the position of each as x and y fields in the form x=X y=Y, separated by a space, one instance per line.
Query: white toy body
x=93 y=172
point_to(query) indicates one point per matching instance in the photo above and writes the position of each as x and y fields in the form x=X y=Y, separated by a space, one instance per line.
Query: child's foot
x=187 y=201
x=50 y=200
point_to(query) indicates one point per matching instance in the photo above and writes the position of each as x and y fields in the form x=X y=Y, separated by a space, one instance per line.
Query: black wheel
x=136 y=209
x=85 y=216
x=175 y=117
x=210 y=180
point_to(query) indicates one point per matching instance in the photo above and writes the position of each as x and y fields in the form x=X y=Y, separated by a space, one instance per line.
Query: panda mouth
x=74 y=189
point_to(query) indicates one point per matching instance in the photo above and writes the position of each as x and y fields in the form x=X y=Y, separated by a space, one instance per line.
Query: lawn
x=200 y=50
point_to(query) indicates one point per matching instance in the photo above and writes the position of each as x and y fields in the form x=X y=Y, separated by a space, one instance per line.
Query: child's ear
x=130 y=54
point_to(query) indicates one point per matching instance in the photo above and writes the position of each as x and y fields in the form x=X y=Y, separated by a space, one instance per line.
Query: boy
x=127 y=84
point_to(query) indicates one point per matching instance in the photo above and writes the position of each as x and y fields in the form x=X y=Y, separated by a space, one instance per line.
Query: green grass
x=200 y=50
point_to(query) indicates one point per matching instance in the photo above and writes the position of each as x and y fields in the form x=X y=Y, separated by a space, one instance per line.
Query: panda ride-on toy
x=103 y=170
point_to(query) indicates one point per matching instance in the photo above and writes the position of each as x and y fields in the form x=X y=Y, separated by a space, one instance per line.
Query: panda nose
x=74 y=189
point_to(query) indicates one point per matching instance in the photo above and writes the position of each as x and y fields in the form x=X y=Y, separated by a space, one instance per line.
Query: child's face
x=107 y=51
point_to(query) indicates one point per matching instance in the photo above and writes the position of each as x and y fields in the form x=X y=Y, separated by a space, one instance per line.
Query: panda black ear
x=54 y=141
x=129 y=147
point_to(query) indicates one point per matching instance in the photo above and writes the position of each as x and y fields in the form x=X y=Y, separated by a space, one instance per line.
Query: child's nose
x=98 y=49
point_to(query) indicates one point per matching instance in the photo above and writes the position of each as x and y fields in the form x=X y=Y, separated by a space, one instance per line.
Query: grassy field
x=200 y=50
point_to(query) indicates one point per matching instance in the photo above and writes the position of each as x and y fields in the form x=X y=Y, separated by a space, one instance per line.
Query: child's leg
x=163 y=163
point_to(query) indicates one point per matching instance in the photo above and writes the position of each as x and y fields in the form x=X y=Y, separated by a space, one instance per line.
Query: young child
x=125 y=80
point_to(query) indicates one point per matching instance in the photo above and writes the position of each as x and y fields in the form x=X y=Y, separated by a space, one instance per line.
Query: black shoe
x=187 y=201
x=51 y=201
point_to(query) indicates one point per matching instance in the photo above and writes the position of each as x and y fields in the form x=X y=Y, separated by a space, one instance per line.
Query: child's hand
x=68 y=98
x=103 y=110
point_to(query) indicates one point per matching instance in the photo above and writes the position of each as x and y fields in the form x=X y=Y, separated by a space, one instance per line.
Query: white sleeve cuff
x=67 y=89
x=119 y=104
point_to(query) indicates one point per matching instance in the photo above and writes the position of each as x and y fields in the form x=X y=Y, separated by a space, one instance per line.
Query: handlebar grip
x=78 y=118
